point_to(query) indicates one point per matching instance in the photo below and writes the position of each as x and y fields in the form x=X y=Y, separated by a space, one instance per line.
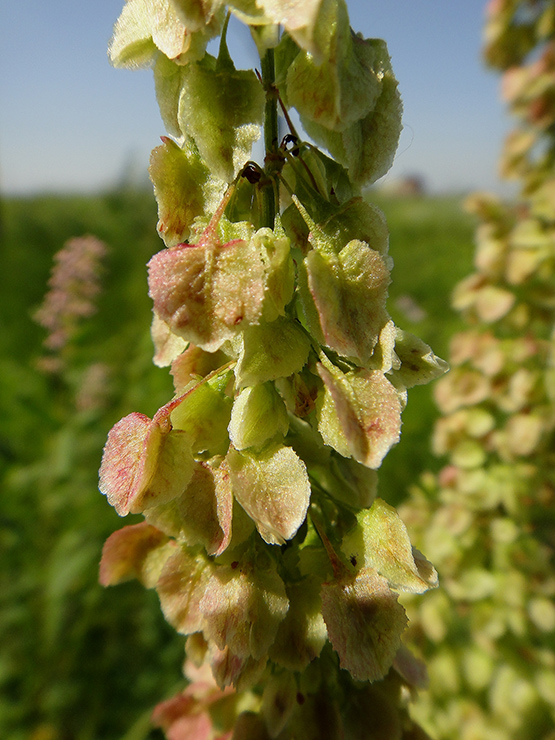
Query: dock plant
x=488 y=634
x=262 y=530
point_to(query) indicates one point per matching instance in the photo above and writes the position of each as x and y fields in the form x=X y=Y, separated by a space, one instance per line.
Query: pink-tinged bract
x=207 y=294
x=136 y=551
x=359 y=414
x=380 y=540
x=202 y=514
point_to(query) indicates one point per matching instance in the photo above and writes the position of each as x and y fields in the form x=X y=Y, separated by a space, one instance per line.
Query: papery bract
x=197 y=14
x=229 y=669
x=242 y=608
x=347 y=481
x=364 y=622
x=181 y=587
x=349 y=292
x=189 y=715
x=208 y=294
x=258 y=415
x=311 y=23
x=145 y=462
x=359 y=414
x=168 y=83
x=278 y=701
x=184 y=188
x=337 y=92
x=380 y=540
x=192 y=364
x=367 y=146
x=355 y=220
x=271 y=351
x=146 y=26
x=419 y=364
x=489 y=302
x=203 y=414
x=167 y=345
x=137 y=551
x=274 y=490
x=302 y=633
x=275 y=249
x=202 y=514
x=221 y=108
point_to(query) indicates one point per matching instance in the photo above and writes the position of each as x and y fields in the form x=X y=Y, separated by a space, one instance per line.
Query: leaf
x=380 y=541
x=242 y=608
x=145 y=461
x=184 y=189
x=274 y=490
x=364 y=622
x=137 y=551
x=221 y=108
x=348 y=293
x=359 y=414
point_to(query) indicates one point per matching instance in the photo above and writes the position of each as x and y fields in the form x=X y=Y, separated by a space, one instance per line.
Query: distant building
x=410 y=186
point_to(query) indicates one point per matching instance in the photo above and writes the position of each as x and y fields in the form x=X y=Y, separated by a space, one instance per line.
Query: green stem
x=270 y=205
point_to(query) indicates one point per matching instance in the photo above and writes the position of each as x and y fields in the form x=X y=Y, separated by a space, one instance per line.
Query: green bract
x=380 y=541
x=221 y=109
x=363 y=138
x=183 y=188
x=147 y=27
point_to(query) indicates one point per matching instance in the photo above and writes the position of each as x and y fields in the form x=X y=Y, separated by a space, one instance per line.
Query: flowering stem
x=268 y=192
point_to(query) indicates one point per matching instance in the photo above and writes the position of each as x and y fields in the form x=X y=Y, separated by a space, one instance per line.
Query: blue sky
x=68 y=121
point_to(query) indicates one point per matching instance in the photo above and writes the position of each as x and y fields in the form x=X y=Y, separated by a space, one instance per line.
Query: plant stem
x=268 y=191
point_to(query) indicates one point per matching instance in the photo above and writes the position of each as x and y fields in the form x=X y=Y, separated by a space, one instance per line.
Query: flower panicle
x=73 y=287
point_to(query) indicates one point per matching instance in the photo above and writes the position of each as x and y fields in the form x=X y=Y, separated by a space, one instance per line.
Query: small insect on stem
x=291 y=139
x=252 y=172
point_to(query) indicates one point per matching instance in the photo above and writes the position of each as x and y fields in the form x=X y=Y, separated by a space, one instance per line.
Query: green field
x=79 y=662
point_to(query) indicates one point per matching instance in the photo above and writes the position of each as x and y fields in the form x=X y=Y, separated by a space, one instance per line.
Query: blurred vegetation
x=431 y=242
x=79 y=662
